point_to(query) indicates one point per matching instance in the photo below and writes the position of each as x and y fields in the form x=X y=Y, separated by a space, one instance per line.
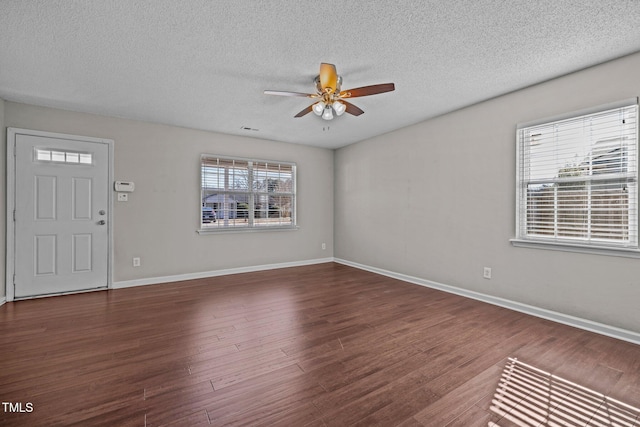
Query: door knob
x=102 y=222
x=102 y=212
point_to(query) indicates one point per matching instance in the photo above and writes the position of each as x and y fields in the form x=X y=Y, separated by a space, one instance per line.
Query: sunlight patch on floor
x=530 y=397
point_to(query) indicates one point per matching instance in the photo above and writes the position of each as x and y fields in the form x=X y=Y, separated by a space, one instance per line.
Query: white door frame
x=11 y=200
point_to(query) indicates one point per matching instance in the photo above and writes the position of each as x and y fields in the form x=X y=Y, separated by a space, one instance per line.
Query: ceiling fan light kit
x=318 y=108
x=332 y=98
x=327 y=114
x=339 y=107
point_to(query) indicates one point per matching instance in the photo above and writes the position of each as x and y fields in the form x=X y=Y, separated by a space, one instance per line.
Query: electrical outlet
x=136 y=262
x=487 y=273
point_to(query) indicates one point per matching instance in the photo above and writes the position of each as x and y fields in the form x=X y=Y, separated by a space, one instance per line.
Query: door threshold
x=57 y=294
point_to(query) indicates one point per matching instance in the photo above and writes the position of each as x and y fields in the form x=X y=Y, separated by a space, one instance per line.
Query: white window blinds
x=577 y=179
x=242 y=193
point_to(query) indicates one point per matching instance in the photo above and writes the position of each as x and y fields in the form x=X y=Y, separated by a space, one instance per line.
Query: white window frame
x=629 y=248
x=250 y=223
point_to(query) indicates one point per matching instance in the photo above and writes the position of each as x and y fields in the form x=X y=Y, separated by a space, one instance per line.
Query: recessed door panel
x=45 y=255
x=81 y=201
x=81 y=253
x=45 y=197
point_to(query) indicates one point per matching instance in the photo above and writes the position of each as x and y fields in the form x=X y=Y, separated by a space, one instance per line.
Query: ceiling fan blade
x=328 y=77
x=367 y=90
x=285 y=93
x=352 y=109
x=305 y=111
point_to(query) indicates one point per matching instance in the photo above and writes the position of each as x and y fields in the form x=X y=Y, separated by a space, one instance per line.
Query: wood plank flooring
x=320 y=345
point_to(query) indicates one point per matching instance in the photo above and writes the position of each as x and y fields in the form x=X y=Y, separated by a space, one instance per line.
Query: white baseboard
x=3 y=300
x=600 y=328
x=589 y=325
x=214 y=273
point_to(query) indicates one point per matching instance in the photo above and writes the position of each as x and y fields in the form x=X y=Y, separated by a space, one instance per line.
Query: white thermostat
x=124 y=186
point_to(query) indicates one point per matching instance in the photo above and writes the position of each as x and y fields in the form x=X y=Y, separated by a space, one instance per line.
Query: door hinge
x=14 y=215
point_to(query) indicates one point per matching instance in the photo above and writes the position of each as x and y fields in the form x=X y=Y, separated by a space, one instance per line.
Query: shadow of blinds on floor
x=530 y=397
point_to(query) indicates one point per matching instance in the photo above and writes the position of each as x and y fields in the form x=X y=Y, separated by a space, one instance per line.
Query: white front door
x=61 y=214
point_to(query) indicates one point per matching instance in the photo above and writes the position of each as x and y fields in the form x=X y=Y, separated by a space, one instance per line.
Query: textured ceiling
x=204 y=64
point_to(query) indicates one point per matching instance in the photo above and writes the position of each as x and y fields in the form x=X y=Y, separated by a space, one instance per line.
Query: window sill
x=576 y=247
x=245 y=230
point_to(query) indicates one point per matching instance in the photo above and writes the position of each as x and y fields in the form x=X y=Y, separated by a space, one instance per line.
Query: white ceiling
x=204 y=64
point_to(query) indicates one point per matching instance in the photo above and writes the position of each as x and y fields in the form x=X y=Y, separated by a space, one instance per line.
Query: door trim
x=12 y=134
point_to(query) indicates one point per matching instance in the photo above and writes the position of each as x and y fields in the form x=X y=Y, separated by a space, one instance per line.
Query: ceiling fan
x=331 y=98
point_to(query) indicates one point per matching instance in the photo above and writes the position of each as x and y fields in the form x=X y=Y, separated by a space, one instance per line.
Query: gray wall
x=450 y=184
x=159 y=222
x=3 y=197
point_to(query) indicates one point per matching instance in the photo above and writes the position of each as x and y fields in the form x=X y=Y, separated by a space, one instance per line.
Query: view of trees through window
x=247 y=193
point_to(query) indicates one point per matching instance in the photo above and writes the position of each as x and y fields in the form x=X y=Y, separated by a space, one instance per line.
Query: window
x=247 y=194
x=577 y=180
x=60 y=156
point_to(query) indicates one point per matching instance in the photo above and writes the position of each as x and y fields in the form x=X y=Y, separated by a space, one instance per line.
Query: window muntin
x=62 y=156
x=247 y=194
x=578 y=180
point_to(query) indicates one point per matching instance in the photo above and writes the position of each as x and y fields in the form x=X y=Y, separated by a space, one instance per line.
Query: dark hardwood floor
x=321 y=345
